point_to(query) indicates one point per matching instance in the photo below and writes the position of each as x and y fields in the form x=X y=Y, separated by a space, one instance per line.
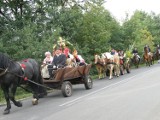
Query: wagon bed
x=64 y=78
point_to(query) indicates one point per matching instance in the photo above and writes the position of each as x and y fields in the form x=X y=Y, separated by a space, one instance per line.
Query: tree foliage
x=31 y=27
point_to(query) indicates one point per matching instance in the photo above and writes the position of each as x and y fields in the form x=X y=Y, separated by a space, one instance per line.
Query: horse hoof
x=34 y=101
x=18 y=104
x=6 y=112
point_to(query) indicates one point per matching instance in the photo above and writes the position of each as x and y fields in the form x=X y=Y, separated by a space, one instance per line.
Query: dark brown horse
x=148 y=57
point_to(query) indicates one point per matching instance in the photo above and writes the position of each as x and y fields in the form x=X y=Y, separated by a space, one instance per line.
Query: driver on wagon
x=59 y=61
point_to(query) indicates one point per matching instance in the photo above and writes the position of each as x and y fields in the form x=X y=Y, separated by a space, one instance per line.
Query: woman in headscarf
x=48 y=59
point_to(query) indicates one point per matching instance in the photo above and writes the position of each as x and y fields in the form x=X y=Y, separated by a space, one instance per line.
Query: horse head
x=99 y=60
x=146 y=50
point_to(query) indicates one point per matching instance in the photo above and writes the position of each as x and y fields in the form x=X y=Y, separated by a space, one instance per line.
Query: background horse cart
x=64 y=78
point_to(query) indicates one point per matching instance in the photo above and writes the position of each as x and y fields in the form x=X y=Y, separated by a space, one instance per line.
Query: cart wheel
x=88 y=83
x=66 y=89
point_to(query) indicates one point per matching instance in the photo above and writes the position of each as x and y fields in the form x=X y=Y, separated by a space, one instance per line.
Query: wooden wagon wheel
x=88 y=83
x=66 y=89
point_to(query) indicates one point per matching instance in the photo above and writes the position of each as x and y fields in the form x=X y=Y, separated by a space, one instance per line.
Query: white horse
x=112 y=63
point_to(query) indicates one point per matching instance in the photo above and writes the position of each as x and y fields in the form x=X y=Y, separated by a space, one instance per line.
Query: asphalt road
x=133 y=96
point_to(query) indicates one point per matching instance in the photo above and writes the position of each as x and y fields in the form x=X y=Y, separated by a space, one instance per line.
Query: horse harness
x=5 y=71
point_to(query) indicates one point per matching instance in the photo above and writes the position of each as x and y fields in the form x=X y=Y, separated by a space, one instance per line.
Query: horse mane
x=5 y=61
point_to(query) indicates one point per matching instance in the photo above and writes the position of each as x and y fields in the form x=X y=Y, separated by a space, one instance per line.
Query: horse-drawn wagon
x=64 y=78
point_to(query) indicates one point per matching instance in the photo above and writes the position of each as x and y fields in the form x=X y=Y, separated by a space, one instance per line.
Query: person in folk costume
x=46 y=62
x=48 y=59
x=78 y=58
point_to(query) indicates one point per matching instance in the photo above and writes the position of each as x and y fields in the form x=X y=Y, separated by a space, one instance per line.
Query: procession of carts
x=64 y=78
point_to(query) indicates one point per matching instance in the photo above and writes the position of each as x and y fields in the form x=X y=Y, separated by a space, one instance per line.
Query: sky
x=119 y=8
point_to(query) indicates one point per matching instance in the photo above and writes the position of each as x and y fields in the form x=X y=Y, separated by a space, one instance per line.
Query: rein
x=7 y=71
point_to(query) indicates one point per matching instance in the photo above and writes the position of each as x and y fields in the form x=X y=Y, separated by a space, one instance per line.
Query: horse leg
x=146 y=62
x=6 y=94
x=138 y=63
x=104 y=71
x=12 y=92
x=101 y=73
x=35 y=89
x=111 y=70
x=149 y=63
x=42 y=91
x=117 y=70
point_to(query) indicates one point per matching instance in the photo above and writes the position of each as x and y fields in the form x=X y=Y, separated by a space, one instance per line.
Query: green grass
x=20 y=94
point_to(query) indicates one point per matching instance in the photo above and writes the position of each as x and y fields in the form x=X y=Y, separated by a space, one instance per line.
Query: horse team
x=107 y=64
x=110 y=65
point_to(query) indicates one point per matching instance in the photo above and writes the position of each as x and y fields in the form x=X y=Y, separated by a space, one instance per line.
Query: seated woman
x=48 y=59
x=78 y=58
x=46 y=62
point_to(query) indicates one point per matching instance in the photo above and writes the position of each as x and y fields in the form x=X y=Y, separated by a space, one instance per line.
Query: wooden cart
x=64 y=78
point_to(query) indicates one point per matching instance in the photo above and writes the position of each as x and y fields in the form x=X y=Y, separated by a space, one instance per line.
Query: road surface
x=133 y=96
